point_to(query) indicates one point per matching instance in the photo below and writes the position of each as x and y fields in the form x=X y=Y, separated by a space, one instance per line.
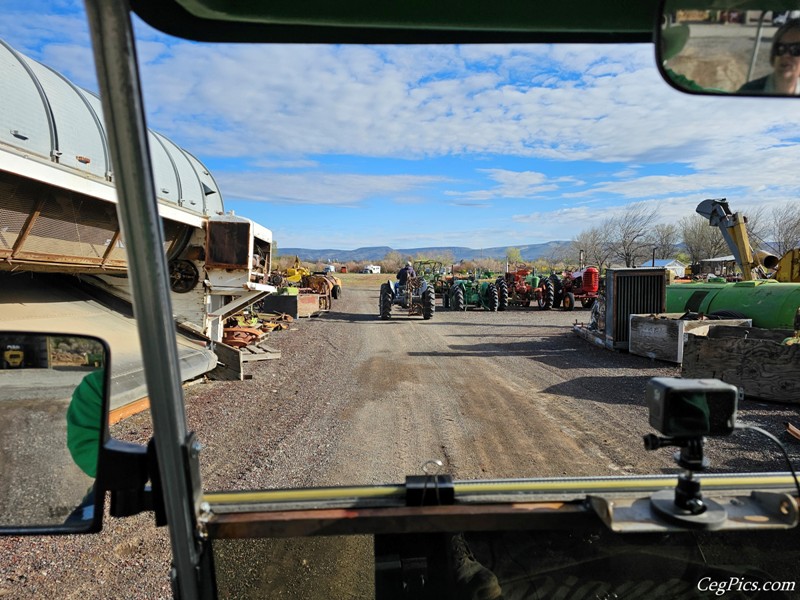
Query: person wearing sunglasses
x=785 y=60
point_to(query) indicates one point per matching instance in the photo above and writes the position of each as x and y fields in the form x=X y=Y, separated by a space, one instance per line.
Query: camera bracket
x=685 y=505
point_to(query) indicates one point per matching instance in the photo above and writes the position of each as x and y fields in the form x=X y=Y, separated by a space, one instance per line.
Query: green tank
x=769 y=303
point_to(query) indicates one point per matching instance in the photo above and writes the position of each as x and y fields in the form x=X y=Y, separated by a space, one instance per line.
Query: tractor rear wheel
x=568 y=302
x=558 y=291
x=502 y=294
x=546 y=300
x=385 y=302
x=428 y=303
x=457 y=299
x=492 y=300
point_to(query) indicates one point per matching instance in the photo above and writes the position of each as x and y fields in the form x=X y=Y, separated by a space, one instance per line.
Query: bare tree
x=783 y=229
x=595 y=246
x=664 y=237
x=628 y=233
x=701 y=239
x=392 y=261
x=446 y=258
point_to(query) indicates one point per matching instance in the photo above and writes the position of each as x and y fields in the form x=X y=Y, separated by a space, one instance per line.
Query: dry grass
x=364 y=281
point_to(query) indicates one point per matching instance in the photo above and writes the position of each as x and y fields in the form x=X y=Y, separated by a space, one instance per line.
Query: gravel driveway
x=357 y=400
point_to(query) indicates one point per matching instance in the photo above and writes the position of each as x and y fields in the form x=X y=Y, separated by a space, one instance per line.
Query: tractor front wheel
x=568 y=302
x=588 y=302
x=336 y=292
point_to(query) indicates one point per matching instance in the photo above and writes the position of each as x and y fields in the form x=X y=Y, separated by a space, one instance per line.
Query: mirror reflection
x=51 y=420
x=751 y=48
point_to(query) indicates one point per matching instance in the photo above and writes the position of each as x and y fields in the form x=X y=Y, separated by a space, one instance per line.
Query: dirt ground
x=719 y=56
x=357 y=400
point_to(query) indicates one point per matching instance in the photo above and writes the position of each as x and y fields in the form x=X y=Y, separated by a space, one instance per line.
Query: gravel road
x=357 y=400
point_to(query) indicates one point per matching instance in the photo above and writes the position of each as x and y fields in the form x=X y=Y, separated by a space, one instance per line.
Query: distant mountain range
x=375 y=253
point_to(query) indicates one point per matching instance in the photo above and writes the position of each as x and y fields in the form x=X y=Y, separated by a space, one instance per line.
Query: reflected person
x=784 y=57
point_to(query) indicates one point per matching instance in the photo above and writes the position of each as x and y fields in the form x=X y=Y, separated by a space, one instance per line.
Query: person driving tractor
x=404 y=274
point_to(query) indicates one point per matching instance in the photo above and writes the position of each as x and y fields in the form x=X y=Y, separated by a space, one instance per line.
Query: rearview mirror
x=737 y=47
x=53 y=390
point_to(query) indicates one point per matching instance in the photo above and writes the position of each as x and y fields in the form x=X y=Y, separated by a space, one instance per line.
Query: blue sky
x=478 y=146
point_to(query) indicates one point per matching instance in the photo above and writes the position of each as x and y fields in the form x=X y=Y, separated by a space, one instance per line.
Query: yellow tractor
x=325 y=284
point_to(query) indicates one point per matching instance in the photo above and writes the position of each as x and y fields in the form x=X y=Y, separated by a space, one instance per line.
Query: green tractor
x=475 y=291
x=431 y=271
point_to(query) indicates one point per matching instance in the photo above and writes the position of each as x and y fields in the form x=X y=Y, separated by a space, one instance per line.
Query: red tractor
x=524 y=287
x=580 y=285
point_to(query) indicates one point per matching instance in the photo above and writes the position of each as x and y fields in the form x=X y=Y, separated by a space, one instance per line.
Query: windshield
x=533 y=178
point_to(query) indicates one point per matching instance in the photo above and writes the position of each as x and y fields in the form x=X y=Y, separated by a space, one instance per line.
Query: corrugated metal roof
x=46 y=118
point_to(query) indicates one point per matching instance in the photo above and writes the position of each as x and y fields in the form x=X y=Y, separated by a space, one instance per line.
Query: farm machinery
x=475 y=291
x=318 y=282
x=524 y=286
x=416 y=297
x=771 y=303
x=433 y=272
x=582 y=285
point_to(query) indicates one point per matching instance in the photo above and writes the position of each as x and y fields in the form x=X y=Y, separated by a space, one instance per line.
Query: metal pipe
x=118 y=78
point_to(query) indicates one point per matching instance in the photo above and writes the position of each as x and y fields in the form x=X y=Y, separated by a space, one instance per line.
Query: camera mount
x=686 y=506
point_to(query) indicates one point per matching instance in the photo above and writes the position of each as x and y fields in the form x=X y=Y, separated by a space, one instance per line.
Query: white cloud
x=313 y=117
x=319 y=188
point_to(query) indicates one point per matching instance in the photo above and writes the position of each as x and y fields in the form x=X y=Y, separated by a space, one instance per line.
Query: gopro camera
x=690 y=408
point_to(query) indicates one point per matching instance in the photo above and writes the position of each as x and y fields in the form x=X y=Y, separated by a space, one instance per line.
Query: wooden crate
x=750 y=358
x=663 y=336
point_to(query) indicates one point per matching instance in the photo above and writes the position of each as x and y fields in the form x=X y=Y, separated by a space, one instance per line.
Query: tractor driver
x=404 y=274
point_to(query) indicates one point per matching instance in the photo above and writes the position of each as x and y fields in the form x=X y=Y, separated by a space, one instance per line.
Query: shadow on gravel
x=617 y=389
x=348 y=317
x=563 y=352
x=497 y=325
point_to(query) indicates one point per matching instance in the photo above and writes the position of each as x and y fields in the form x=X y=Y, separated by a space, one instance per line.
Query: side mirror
x=53 y=402
x=730 y=47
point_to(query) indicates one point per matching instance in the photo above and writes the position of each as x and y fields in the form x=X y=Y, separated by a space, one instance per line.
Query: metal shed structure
x=57 y=193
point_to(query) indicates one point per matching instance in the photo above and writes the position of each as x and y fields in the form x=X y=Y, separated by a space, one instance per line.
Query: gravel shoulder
x=357 y=400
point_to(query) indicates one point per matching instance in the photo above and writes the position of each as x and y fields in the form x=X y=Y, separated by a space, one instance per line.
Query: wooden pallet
x=259 y=351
